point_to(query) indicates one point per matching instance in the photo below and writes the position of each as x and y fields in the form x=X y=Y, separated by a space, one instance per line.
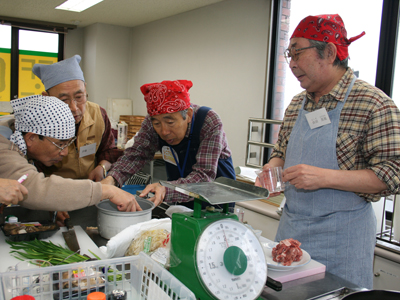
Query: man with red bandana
x=339 y=145
x=190 y=137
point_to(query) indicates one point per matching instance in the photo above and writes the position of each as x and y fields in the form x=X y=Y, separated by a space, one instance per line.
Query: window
x=21 y=46
x=34 y=47
x=363 y=50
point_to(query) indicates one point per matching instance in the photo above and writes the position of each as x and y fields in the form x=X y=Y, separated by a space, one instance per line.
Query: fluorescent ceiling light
x=77 y=5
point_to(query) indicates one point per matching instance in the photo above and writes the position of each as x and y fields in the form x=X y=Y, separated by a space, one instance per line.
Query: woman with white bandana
x=43 y=127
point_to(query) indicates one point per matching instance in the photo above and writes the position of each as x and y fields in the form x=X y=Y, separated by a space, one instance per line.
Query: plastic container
x=30 y=236
x=96 y=296
x=139 y=276
x=26 y=215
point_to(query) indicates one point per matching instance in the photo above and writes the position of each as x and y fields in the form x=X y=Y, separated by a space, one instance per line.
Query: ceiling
x=127 y=13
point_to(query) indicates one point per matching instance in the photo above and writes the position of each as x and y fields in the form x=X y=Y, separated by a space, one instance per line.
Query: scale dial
x=230 y=261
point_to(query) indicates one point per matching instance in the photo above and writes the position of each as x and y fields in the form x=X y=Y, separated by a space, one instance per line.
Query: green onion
x=36 y=249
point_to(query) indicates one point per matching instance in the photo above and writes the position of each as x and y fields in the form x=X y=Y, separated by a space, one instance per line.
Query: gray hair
x=184 y=113
x=320 y=46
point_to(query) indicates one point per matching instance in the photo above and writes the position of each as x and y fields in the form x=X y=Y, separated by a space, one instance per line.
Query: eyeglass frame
x=61 y=148
x=295 y=57
x=68 y=102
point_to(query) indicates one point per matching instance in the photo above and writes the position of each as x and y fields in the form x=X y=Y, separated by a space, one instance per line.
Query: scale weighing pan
x=222 y=190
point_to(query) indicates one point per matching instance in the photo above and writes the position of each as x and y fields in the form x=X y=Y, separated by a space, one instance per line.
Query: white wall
x=222 y=48
x=74 y=43
x=105 y=52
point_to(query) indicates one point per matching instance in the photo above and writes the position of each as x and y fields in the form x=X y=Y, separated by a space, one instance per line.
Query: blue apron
x=187 y=151
x=337 y=228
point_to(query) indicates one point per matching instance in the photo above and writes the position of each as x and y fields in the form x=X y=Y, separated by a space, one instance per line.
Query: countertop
x=304 y=288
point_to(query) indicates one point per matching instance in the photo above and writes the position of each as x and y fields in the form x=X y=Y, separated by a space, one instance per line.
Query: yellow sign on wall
x=5 y=73
x=28 y=83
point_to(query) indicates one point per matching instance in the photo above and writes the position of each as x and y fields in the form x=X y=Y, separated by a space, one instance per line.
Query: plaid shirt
x=368 y=135
x=213 y=145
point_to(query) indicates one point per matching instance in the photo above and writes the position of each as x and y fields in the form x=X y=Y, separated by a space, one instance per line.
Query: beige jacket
x=46 y=193
x=90 y=131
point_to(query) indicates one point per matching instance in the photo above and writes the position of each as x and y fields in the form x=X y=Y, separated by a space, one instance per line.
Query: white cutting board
x=85 y=243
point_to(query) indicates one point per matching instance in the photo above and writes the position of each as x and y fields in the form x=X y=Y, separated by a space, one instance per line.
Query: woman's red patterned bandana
x=326 y=28
x=167 y=96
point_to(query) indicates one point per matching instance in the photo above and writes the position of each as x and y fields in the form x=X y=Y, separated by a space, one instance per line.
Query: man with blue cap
x=43 y=128
x=94 y=150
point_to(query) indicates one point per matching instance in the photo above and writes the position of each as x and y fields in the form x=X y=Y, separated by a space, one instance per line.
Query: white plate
x=273 y=265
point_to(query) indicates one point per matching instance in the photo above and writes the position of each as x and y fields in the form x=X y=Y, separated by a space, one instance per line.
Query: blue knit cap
x=65 y=70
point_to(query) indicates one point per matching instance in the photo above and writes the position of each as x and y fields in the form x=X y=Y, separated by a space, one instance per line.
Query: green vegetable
x=110 y=278
x=36 y=249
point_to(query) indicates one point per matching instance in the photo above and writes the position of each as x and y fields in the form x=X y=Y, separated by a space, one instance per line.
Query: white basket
x=139 y=276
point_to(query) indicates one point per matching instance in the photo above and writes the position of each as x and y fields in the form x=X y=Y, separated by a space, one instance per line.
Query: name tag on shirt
x=318 y=118
x=168 y=156
x=87 y=150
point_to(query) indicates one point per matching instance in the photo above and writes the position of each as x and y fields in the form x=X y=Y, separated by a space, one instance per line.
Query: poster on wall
x=5 y=71
x=28 y=83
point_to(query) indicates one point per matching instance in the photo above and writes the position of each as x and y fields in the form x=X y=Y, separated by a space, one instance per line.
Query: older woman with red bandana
x=190 y=137
x=339 y=145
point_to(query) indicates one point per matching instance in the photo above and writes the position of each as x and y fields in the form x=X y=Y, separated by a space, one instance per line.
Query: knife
x=70 y=236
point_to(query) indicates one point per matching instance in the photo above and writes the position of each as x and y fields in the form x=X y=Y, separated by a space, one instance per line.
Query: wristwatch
x=104 y=170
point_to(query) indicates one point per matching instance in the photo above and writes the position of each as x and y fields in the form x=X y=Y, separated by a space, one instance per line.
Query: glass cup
x=240 y=213
x=271 y=179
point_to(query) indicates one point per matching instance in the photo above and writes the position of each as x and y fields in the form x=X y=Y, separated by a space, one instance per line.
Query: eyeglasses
x=80 y=99
x=294 y=53
x=63 y=147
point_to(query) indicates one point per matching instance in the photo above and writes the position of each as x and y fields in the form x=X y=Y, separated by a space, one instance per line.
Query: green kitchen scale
x=212 y=253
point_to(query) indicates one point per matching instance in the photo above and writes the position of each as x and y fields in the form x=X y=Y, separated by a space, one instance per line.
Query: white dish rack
x=139 y=276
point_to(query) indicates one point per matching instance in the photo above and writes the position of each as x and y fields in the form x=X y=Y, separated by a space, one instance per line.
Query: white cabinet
x=386 y=274
x=262 y=216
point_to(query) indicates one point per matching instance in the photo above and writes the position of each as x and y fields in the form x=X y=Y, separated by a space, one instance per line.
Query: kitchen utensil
x=112 y=221
x=216 y=256
x=2 y=207
x=70 y=236
x=373 y=295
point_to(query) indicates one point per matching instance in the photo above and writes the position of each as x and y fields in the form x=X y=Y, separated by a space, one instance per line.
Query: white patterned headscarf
x=43 y=115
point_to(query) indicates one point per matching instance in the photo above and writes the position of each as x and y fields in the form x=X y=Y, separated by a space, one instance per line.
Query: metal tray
x=222 y=190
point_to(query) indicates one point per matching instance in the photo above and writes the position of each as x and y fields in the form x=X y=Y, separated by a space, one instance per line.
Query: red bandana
x=326 y=28
x=166 y=97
